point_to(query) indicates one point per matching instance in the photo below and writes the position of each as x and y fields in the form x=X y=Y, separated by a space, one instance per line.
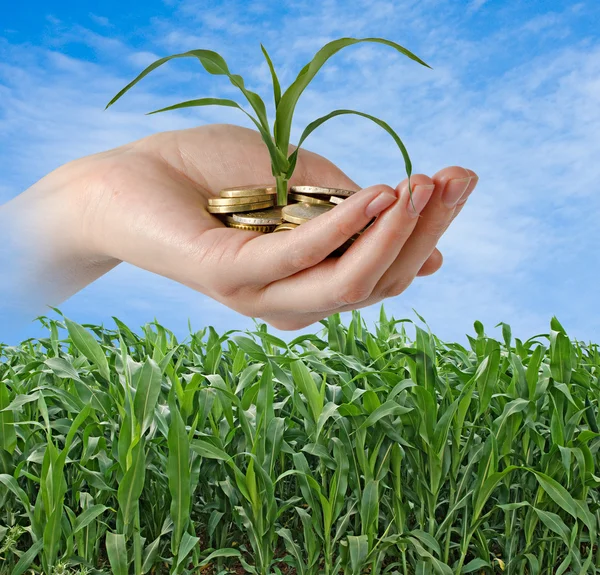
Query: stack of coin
x=253 y=208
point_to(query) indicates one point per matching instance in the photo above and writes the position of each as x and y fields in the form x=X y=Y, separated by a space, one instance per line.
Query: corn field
x=348 y=451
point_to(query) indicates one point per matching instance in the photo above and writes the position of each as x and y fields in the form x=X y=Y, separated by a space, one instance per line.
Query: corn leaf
x=117 y=553
x=87 y=344
x=358 y=547
x=487 y=489
x=8 y=436
x=214 y=64
x=27 y=558
x=276 y=85
x=553 y=522
x=557 y=492
x=280 y=162
x=178 y=472
x=188 y=542
x=88 y=516
x=147 y=382
x=316 y=123
x=131 y=487
x=289 y=99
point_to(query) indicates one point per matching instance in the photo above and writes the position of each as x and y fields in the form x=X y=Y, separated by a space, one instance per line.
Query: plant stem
x=282 y=191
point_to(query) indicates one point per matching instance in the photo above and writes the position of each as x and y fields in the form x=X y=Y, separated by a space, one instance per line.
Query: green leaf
x=206 y=449
x=358 y=547
x=27 y=558
x=88 y=516
x=61 y=368
x=487 y=379
x=117 y=553
x=188 y=542
x=21 y=400
x=553 y=522
x=147 y=383
x=388 y=408
x=329 y=411
x=426 y=539
x=150 y=555
x=276 y=86
x=87 y=344
x=316 y=123
x=557 y=493
x=11 y=483
x=220 y=553
x=8 y=435
x=487 y=488
x=52 y=534
x=132 y=484
x=307 y=386
x=280 y=161
x=289 y=99
x=475 y=565
x=369 y=507
x=560 y=358
x=214 y=64
x=178 y=472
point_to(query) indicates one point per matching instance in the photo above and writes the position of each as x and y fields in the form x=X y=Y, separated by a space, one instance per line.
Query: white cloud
x=476 y=5
x=100 y=20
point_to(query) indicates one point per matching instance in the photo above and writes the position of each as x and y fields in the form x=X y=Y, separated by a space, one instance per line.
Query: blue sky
x=514 y=94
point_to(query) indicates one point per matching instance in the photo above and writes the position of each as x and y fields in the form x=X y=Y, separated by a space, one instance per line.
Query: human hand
x=145 y=203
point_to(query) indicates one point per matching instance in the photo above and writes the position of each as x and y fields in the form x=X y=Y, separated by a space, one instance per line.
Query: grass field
x=344 y=452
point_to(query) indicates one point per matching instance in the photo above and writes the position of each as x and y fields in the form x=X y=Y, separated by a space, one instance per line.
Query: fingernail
x=380 y=203
x=466 y=195
x=454 y=191
x=420 y=197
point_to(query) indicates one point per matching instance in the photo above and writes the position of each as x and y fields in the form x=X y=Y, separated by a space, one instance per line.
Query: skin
x=145 y=203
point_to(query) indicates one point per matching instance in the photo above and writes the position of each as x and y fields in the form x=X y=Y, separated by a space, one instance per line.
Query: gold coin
x=335 y=200
x=264 y=229
x=312 y=190
x=246 y=191
x=300 y=213
x=236 y=201
x=285 y=227
x=309 y=199
x=239 y=208
x=270 y=217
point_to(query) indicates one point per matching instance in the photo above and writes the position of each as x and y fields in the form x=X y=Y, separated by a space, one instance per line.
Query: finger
x=466 y=196
x=272 y=257
x=432 y=265
x=353 y=276
x=400 y=278
x=299 y=321
x=434 y=220
x=451 y=185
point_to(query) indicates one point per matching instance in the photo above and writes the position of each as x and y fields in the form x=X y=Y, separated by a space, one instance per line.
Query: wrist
x=50 y=239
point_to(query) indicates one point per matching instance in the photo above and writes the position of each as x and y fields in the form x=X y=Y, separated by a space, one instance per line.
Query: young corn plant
x=277 y=137
x=348 y=451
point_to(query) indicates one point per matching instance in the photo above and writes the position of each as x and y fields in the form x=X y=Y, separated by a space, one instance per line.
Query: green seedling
x=277 y=139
